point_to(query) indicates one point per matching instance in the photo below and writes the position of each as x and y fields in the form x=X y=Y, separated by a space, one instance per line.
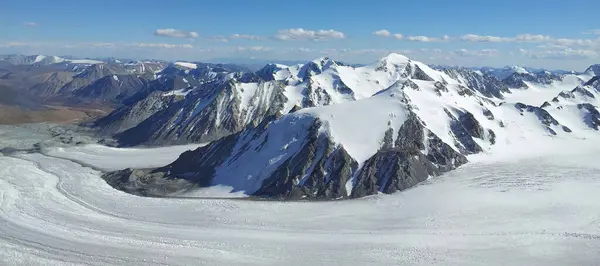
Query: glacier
x=540 y=206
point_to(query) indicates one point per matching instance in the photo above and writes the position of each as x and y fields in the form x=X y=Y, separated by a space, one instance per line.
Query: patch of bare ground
x=10 y=115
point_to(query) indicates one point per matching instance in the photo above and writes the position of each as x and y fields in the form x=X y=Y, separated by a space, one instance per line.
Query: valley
x=540 y=207
x=390 y=163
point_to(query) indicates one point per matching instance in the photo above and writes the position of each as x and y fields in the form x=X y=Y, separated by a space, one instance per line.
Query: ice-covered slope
x=130 y=115
x=541 y=210
x=45 y=60
x=314 y=152
x=226 y=105
x=170 y=85
x=109 y=159
x=505 y=72
x=483 y=82
x=383 y=127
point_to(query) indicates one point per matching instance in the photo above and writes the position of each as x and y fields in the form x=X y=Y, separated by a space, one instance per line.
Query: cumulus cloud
x=476 y=53
x=482 y=38
x=31 y=24
x=236 y=36
x=386 y=33
x=562 y=54
x=594 y=31
x=531 y=38
x=96 y=45
x=176 y=33
x=18 y=44
x=254 y=49
x=382 y=33
x=219 y=38
x=427 y=39
x=303 y=50
x=244 y=36
x=302 y=34
x=161 y=45
x=577 y=42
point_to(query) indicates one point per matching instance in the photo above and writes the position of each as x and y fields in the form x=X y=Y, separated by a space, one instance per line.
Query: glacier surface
x=515 y=207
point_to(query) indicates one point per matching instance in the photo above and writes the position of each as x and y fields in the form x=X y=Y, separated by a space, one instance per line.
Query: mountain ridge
x=421 y=122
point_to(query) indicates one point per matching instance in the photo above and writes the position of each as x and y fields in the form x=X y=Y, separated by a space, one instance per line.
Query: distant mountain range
x=319 y=129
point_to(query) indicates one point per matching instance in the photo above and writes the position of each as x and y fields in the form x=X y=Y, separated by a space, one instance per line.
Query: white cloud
x=254 y=49
x=382 y=33
x=31 y=24
x=96 y=45
x=219 y=38
x=302 y=34
x=161 y=45
x=303 y=50
x=532 y=38
x=594 y=31
x=427 y=39
x=576 y=42
x=480 y=38
x=386 y=33
x=476 y=53
x=244 y=36
x=18 y=44
x=176 y=33
x=561 y=54
x=552 y=46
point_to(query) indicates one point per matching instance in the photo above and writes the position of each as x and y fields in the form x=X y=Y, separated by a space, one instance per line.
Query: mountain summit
x=326 y=130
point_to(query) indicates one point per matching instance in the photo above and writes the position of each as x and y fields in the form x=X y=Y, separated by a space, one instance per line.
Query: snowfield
x=529 y=197
x=534 y=208
x=111 y=159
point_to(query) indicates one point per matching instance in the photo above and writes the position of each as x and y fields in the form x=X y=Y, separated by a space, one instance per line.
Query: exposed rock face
x=307 y=153
x=219 y=110
x=486 y=83
x=517 y=80
x=53 y=84
x=320 y=169
x=405 y=165
x=91 y=74
x=594 y=69
x=544 y=117
x=113 y=88
x=591 y=116
x=129 y=116
x=465 y=127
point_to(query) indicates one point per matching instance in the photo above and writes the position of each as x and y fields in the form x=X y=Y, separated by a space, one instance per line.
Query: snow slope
x=541 y=210
x=340 y=110
x=536 y=94
x=84 y=61
x=186 y=65
x=110 y=159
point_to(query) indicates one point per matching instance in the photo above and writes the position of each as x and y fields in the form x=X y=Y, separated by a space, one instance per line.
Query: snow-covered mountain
x=44 y=60
x=166 y=87
x=325 y=130
x=593 y=70
x=505 y=72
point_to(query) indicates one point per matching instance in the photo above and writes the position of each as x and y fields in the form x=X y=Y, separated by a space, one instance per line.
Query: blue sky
x=551 y=34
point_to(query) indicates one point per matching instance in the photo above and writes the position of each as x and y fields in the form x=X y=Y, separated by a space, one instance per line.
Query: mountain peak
x=593 y=69
x=395 y=59
x=324 y=62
